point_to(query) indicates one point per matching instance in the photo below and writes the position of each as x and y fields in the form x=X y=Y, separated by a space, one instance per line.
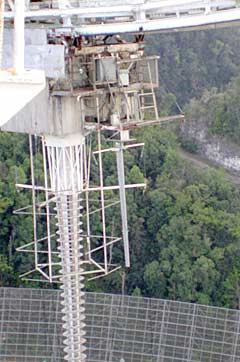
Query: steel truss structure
x=76 y=252
x=91 y=17
x=69 y=197
x=109 y=85
x=119 y=328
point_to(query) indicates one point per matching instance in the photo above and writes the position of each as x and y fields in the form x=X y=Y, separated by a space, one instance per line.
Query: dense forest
x=184 y=228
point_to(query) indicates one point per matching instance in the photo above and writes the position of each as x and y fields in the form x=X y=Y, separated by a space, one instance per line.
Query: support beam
x=123 y=204
x=1 y=28
x=19 y=41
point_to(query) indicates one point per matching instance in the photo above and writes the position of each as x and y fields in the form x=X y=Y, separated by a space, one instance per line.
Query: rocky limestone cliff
x=212 y=147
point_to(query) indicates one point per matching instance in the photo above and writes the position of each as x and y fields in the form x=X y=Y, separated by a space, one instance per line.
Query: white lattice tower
x=65 y=161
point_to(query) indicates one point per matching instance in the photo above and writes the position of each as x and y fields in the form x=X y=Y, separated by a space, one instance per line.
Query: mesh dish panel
x=119 y=328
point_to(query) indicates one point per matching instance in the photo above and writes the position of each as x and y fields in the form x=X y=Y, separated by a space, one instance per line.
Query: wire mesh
x=119 y=328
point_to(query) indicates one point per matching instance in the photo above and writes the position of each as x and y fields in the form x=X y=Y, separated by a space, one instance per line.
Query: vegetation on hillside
x=220 y=111
x=184 y=230
x=193 y=62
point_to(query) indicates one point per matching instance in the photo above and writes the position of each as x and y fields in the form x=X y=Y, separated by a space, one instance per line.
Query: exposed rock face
x=214 y=148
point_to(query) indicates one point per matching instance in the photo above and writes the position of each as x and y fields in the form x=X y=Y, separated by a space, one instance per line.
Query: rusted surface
x=111 y=48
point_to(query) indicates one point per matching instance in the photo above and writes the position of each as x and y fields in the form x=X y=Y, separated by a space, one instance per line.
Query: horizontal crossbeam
x=114 y=17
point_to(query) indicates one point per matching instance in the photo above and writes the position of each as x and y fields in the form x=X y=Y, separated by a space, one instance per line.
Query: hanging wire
x=176 y=102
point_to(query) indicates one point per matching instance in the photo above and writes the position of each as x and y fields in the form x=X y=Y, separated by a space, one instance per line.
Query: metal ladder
x=149 y=97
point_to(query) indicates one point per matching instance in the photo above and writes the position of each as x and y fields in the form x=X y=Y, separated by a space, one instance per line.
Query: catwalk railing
x=119 y=328
x=133 y=16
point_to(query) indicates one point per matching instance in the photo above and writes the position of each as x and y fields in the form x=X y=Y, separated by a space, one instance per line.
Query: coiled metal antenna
x=72 y=280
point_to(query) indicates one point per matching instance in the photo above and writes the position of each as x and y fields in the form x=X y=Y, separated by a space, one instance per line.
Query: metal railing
x=115 y=17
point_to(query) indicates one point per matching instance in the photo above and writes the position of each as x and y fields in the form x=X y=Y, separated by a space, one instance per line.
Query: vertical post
x=122 y=193
x=47 y=212
x=65 y=157
x=162 y=335
x=33 y=202
x=19 y=43
x=1 y=29
x=87 y=176
x=102 y=192
x=191 y=337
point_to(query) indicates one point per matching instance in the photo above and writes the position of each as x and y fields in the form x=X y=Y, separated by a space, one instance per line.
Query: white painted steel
x=2 y=2
x=136 y=16
x=65 y=161
x=72 y=280
x=48 y=221
x=19 y=41
x=33 y=201
x=103 y=216
x=17 y=87
x=110 y=8
x=165 y=24
x=17 y=91
x=123 y=204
